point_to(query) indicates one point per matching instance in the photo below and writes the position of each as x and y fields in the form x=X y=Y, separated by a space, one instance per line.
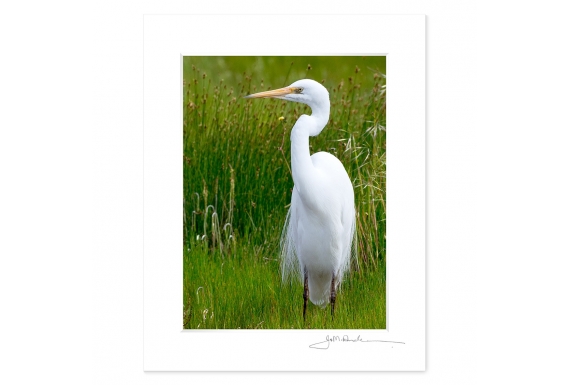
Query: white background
x=71 y=191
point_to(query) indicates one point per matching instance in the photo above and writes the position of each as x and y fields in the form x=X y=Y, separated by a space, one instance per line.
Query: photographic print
x=278 y=216
x=284 y=192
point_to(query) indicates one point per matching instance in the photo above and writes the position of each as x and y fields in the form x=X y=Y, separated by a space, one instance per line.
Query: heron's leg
x=333 y=295
x=305 y=293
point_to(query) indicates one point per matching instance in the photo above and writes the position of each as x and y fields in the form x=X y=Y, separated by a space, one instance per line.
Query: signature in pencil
x=323 y=345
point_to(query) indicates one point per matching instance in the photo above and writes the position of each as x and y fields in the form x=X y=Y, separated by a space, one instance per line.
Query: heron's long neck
x=301 y=164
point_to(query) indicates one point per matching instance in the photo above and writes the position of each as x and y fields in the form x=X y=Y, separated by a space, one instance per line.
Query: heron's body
x=318 y=236
x=321 y=224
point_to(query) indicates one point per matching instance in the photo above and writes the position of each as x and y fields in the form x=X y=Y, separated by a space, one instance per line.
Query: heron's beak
x=271 y=94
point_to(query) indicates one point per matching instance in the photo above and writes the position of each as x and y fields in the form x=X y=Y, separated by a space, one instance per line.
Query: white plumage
x=319 y=235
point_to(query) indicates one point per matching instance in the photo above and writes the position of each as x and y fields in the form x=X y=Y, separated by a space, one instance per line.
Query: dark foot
x=305 y=294
x=333 y=295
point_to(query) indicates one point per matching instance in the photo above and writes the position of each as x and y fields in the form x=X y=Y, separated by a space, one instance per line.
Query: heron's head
x=305 y=91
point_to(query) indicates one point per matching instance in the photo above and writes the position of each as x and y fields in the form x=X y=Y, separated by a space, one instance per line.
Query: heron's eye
x=299 y=90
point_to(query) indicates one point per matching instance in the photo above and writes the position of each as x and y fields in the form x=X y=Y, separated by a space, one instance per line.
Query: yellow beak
x=272 y=93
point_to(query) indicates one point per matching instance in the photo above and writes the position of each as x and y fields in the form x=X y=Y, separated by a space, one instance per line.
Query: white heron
x=320 y=230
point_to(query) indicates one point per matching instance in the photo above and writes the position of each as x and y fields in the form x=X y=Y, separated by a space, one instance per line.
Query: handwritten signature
x=331 y=339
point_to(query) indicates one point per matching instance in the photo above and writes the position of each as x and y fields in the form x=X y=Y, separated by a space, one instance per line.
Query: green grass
x=237 y=188
x=243 y=290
